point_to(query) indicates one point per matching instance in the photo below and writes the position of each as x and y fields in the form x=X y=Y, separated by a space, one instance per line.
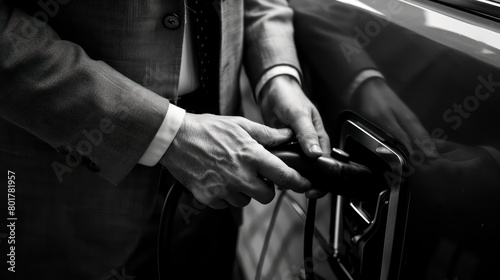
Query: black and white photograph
x=249 y=139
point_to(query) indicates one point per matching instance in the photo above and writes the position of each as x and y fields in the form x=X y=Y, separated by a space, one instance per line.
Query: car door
x=428 y=126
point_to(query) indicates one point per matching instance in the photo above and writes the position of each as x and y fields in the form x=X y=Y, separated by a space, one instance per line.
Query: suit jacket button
x=171 y=21
x=66 y=149
x=91 y=163
x=93 y=166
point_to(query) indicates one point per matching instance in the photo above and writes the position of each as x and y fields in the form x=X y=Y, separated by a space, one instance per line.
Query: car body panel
x=444 y=65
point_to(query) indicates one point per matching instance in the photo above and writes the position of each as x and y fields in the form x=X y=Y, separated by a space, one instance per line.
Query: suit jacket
x=84 y=87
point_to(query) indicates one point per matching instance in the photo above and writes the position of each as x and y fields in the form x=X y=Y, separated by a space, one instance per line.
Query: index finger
x=275 y=170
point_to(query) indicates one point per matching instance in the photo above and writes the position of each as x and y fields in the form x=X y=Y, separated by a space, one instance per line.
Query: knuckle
x=258 y=152
x=303 y=112
x=203 y=199
x=240 y=120
x=210 y=200
x=245 y=154
x=266 y=132
x=214 y=192
x=296 y=111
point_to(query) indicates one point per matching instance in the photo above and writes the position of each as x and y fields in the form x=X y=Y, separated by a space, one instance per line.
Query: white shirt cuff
x=164 y=136
x=273 y=72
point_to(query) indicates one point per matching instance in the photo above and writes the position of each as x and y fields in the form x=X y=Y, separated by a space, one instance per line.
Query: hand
x=283 y=103
x=377 y=102
x=221 y=160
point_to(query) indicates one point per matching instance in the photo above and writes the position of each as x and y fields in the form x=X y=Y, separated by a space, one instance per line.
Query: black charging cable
x=166 y=230
x=308 y=239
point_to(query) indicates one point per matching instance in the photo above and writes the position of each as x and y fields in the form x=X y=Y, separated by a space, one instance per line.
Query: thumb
x=265 y=135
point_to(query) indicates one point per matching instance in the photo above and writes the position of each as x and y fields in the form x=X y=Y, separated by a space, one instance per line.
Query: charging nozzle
x=333 y=173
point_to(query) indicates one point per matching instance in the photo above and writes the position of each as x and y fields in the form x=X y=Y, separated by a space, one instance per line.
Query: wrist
x=178 y=139
x=273 y=86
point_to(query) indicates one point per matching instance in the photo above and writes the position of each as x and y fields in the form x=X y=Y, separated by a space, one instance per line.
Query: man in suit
x=87 y=99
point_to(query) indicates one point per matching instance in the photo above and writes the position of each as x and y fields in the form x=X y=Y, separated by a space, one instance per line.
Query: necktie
x=206 y=23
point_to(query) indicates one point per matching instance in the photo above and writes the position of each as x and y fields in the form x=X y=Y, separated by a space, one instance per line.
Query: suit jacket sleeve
x=52 y=89
x=269 y=37
x=325 y=35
